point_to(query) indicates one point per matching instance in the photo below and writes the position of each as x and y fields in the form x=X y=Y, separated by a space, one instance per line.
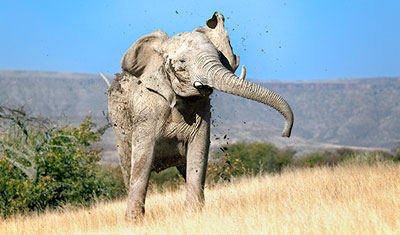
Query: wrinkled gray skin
x=160 y=106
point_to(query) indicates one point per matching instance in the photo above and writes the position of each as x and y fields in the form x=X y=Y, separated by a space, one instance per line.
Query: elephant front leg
x=196 y=166
x=142 y=160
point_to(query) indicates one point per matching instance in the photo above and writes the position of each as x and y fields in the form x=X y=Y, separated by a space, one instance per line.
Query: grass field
x=353 y=199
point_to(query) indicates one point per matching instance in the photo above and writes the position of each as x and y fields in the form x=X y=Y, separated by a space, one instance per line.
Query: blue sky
x=281 y=39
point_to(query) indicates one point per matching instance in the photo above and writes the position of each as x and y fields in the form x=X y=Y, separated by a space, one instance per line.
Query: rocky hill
x=328 y=113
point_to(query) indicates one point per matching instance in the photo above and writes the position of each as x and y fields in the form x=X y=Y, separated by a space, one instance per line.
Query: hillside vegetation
x=347 y=199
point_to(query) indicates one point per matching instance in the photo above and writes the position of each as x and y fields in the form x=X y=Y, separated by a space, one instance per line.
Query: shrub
x=258 y=158
x=368 y=158
x=396 y=153
x=168 y=179
x=42 y=166
x=224 y=169
x=110 y=180
x=315 y=159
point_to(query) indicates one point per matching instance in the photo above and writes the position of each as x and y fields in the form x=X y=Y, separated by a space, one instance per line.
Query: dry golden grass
x=341 y=200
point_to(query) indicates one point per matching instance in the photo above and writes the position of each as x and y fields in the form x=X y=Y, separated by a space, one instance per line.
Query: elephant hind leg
x=122 y=126
x=124 y=148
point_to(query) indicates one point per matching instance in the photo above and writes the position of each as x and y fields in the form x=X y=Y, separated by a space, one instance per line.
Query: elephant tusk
x=197 y=84
x=243 y=73
x=105 y=79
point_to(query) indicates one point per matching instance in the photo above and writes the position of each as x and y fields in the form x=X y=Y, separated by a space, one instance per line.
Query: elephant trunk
x=222 y=79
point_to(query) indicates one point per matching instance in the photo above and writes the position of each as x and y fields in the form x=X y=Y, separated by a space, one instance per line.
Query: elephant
x=159 y=106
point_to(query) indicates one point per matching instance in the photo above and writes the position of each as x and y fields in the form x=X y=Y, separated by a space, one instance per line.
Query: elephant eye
x=182 y=60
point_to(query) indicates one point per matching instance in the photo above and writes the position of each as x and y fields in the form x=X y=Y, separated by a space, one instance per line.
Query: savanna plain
x=345 y=199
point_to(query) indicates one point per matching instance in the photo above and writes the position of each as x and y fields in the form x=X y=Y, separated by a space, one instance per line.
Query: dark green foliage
x=224 y=169
x=343 y=156
x=315 y=159
x=258 y=158
x=42 y=167
x=110 y=179
x=369 y=158
x=396 y=153
x=165 y=180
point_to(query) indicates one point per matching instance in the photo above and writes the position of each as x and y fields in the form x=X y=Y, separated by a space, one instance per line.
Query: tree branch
x=103 y=129
x=30 y=171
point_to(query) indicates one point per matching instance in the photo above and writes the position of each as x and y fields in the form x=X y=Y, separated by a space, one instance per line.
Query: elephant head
x=216 y=32
x=193 y=64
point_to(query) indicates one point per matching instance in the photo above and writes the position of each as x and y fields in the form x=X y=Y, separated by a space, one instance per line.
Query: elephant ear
x=217 y=34
x=138 y=56
x=215 y=19
x=144 y=61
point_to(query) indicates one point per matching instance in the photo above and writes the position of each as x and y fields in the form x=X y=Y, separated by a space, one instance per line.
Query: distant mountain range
x=359 y=113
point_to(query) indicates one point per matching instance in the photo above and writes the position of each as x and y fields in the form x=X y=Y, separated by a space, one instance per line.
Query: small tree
x=43 y=165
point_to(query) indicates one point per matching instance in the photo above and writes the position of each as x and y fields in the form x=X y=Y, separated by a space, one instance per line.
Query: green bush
x=367 y=158
x=43 y=167
x=396 y=153
x=224 y=169
x=168 y=179
x=315 y=159
x=111 y=181
x=258 y=158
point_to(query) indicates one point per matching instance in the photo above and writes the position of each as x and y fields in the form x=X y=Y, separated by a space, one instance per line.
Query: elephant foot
x=194 y=205
x=134 y=216
x=135 y=213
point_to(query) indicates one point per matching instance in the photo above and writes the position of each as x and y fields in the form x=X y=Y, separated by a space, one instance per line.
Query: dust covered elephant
x=160 y=107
